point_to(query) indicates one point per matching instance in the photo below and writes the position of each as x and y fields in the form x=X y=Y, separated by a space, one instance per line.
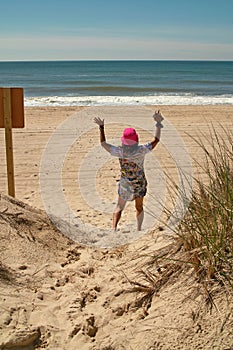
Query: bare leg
x=117 y=212
x=139 y=212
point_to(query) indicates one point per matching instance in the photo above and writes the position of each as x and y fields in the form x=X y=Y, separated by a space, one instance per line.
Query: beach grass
x=203 y=240
x=206 y=232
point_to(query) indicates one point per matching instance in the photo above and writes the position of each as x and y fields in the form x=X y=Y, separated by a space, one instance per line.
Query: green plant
x=206 y=231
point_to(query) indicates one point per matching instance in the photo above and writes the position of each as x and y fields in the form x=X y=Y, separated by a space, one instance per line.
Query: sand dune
x=57 y=294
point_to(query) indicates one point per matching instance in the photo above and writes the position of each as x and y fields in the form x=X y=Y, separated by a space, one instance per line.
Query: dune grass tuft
x=206 y=231
x=202 y=242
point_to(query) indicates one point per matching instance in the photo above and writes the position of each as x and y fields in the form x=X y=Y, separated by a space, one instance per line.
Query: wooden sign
x=11 y=116
x=17 y=107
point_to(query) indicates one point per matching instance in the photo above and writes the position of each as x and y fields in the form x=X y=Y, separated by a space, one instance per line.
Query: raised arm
x=100 y=123
x=158 y=118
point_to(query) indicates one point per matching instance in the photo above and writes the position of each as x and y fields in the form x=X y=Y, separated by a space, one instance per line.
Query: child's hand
x=158 y=117
x=99 y=121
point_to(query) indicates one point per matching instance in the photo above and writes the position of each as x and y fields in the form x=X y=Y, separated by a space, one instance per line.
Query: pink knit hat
x=130 y=137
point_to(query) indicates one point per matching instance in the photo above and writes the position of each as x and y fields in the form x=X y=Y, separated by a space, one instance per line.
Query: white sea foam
x=186 y=99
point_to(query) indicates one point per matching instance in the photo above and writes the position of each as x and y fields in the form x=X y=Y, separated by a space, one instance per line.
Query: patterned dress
x=133 y=183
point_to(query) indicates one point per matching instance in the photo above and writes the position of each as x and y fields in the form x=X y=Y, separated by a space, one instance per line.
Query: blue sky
x=106 y=29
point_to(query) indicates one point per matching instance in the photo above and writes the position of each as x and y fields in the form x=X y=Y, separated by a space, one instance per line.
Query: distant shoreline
x=98 y=101
x=120 y=60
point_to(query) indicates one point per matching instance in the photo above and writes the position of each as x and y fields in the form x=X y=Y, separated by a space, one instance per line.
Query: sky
x=119 y=29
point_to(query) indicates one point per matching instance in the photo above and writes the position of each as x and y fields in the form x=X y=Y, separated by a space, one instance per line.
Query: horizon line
x=118 y=59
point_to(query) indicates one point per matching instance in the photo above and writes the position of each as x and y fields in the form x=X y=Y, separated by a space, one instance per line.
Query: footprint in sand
x=21 y=339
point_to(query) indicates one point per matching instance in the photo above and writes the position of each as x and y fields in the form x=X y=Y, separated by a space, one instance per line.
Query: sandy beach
x=30 y=144
x=74 y=294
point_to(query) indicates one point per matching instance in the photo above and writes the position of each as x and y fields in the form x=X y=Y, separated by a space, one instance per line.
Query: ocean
x=96 y=83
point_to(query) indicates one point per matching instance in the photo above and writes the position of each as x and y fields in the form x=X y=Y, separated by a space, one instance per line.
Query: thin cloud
x=90 y=47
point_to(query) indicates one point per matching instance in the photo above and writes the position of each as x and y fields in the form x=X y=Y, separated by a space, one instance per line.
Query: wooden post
x=8 y=140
